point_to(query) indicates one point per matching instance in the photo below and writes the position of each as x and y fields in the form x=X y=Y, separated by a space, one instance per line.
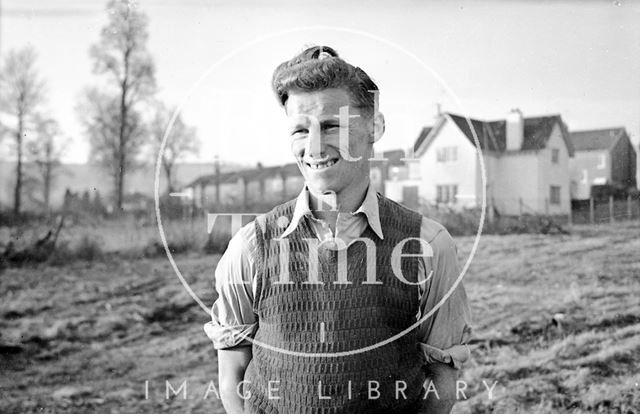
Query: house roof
x=492 y=135
x=596 y=139
x=485 y=131
x=421 y=137
x=250 y=174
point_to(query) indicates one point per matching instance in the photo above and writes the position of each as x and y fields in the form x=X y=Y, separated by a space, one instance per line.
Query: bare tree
x=22 y=92
x=101 y=115
x=3 y=131
x=45 y=152
x=122 y=55
x=181 y=141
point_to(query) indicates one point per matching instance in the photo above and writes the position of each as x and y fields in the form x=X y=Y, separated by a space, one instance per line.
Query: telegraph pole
x=217 y=177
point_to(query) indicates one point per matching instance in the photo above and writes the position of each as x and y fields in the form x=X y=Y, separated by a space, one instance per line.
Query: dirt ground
x=556 y=319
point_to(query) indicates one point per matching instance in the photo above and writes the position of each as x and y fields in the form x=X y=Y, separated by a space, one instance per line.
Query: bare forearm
x=232 y=364
x=232 y=400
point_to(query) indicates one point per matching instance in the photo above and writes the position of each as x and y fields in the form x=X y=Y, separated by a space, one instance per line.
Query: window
x=446 y=193
x=446 y=154
x=555 y=155
x=554 y=194
x=602 y=161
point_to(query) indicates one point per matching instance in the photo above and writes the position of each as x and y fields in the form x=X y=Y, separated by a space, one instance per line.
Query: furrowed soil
x=556 y=329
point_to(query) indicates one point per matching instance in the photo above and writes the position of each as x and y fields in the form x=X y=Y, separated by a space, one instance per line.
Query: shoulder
x=432 y=231
x=270 y=218
x=438 y=238
x=244 y=240
x=244 y=244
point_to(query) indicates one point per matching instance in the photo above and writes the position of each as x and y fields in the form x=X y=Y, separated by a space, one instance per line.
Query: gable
x=433 y=133
x=538 y=131
x=556 y=140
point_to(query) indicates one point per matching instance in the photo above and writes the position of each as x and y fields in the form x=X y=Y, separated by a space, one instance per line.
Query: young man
x=327 y=329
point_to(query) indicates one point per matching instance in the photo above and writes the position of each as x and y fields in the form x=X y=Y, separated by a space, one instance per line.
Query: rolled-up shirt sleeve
x=445 y=333
x=232 y=317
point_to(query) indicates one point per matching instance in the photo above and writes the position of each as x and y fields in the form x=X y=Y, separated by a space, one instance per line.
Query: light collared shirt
x=442 y=336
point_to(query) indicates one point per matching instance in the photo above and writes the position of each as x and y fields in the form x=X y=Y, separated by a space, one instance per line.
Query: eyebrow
x=323 y=123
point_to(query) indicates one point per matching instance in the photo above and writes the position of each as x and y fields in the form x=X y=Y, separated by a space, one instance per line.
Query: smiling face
x=327 y=162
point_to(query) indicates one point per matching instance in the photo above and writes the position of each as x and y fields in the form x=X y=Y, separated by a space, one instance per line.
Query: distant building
x=386 y=169
x=258 y=186
x=526 y=162
x=91 y=178
x=264 y=186
x=604 y=159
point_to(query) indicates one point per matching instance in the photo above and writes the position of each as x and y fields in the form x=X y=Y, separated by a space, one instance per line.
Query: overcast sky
x=578 y=59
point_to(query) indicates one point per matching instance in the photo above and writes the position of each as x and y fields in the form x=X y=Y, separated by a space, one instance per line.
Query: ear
x=378 y=126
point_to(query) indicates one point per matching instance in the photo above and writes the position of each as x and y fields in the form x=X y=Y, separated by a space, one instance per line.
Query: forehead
x=323 y=102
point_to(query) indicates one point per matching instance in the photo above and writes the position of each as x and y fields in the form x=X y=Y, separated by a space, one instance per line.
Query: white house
x=526 y=162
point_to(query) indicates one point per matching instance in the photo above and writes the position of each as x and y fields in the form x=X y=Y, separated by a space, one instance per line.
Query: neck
x=347 y=200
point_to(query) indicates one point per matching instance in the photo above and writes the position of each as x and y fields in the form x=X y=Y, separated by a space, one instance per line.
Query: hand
x=441 y=392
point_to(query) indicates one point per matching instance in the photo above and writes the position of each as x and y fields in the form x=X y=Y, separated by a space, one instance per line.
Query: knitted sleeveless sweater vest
x=329 y=317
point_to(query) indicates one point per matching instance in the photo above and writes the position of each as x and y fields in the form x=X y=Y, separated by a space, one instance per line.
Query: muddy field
x=556 y=318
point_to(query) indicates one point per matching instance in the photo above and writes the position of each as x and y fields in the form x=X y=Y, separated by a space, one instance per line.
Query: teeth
x=323 y=165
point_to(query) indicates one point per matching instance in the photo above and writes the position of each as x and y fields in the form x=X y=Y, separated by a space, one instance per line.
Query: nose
x=314 y=146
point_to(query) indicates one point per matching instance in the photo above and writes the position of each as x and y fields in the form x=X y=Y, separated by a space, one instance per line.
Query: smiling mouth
x=322 y=165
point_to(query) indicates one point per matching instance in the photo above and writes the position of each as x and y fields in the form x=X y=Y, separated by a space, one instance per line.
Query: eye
x=299 y=131
x=332 y=127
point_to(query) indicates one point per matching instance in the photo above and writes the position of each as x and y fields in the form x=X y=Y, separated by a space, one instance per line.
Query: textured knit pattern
x=355 y=315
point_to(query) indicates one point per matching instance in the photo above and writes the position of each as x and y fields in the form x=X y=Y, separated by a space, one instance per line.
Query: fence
x=526 y=219
x=599 y=210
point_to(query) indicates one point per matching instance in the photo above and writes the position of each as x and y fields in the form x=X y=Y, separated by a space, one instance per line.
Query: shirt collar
x=371 y=211
x=369 y=208
x=300 y=210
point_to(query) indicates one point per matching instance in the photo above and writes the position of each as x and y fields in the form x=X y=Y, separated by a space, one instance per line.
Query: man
x=328 y=328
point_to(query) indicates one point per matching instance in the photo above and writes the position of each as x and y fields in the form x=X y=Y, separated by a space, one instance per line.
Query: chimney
x=438 y=111
x=515 y=130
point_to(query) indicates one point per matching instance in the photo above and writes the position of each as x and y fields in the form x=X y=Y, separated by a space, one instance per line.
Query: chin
x=321 y=188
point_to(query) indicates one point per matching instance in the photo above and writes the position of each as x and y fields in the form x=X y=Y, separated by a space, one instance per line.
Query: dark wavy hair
x=319 y=67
